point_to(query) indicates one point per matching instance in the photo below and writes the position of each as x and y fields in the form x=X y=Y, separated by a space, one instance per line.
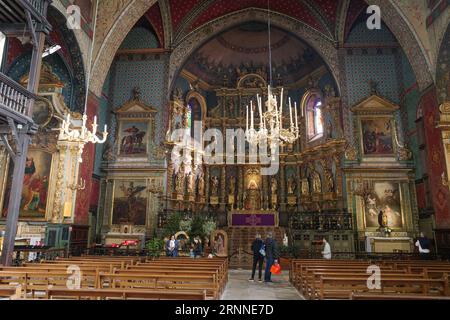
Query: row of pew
x=365 y=280
x=107 y=277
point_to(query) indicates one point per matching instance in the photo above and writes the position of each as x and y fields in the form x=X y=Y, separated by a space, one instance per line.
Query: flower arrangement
x=208 y=227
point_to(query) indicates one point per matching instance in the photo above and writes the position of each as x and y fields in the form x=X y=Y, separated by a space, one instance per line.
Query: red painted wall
x=86 y=167
x=435 y=159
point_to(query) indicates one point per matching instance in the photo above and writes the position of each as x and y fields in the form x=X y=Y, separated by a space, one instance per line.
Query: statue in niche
x=190 y=183
x=179 y=183
x=252 y=196
x=373 y=85
x=201 y=184
x=215 y=186
x=305 y=187
x=232 y=185
x=329 y=181
x=273 y=186
x=316 y=183
x=291 y=185
x=329 y=130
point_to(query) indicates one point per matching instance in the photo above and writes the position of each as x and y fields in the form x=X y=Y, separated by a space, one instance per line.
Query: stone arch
x=127 y=18
x=406 y=37
x=323 y=45
x=443 y=69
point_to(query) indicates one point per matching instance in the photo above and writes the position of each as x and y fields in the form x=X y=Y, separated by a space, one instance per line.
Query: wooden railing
x=14 y=97
x=37 y=7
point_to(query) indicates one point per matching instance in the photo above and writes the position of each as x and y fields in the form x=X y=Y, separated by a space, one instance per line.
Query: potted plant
x=154 y=248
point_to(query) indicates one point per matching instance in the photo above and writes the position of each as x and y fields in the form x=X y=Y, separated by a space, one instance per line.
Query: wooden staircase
x=240 y=241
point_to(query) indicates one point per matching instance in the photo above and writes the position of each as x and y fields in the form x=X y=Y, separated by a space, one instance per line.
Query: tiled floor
x=239 y=288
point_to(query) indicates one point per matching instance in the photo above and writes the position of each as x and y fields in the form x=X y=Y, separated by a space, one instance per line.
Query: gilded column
x=59 y=186
x=282 y=187
x=223 y=181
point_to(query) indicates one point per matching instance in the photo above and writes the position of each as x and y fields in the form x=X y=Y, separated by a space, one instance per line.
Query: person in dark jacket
x=271 y=256
x=197 y=246
x=424 y=244
x=258 y=258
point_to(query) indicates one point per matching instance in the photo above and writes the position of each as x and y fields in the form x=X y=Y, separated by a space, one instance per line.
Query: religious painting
x=219 y=242
x=377 y=138
x=382 y=208
x=42 y=112
x=133 y=138
x=130 y=202
x=33 y=203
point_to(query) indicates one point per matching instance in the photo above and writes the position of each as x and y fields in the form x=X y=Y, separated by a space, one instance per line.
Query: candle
x=246 y=127
x=290 y=111
x=296 y=117
x=281 y=103
x=251 y=114
x=260 y=111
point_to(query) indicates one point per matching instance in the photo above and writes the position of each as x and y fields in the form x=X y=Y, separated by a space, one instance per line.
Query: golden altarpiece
x=380 y=179
x=51 y=172
x=135 y=174
x=360 y=195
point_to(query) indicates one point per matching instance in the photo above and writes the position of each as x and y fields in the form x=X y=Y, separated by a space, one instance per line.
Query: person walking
x=271 y=250
x=326 y=253
x=258 y=258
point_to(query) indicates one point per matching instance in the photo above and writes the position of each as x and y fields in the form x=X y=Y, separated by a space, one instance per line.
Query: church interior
x=150 y=142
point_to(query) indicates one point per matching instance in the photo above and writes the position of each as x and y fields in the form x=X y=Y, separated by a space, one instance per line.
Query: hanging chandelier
x=271 y=129
x=82 y=135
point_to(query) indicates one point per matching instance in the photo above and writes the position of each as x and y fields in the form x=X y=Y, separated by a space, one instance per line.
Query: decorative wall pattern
x=362 y=68
x=149 y=75
x=140 y=38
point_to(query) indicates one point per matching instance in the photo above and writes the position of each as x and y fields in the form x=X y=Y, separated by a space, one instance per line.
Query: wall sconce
x=80 y=186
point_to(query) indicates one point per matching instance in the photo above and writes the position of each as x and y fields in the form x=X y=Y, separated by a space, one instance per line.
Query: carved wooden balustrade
x=15 y=100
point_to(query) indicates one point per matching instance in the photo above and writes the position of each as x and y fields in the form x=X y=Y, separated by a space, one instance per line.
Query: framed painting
x=33 y=204
x=377 y=137
x=133 y=138
x=383 y=206
x=129 y=202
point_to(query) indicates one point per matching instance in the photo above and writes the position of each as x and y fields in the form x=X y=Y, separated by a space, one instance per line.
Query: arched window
x=2 y=47
x=312 y=107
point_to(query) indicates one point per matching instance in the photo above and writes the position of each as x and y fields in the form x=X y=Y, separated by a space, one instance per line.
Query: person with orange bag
x=271 y=250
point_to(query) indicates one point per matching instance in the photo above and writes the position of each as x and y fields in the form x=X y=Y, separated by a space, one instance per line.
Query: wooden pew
x=100 y=294
x=159 y=281
x=10 y=292
x=374 y=296
x=341 y=287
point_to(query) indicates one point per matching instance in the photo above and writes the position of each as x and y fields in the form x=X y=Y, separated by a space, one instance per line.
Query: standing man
x=258 y=258
x=326 y=253
x=271 y=256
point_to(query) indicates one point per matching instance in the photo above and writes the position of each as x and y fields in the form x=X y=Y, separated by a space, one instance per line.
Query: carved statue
x=190 y=183
x=305 y=187
x=317 y=184
x=291 y=185
x=329 y=180
x=201 y=185
x=179 y=183
x=273 y=186
x=232 y=185
x=215 y=186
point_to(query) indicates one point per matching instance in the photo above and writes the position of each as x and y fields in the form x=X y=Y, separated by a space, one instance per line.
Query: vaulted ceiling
x=333 y=18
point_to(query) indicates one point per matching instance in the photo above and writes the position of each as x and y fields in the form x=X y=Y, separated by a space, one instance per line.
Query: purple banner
x=253 y=220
